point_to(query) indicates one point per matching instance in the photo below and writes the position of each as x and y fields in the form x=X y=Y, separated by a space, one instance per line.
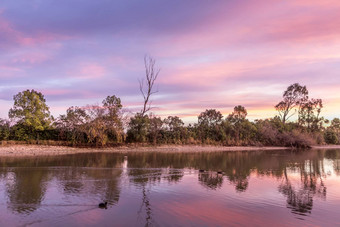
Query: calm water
x=258 y=188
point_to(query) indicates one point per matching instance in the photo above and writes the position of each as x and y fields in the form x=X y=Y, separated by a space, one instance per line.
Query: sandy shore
x=40 y=150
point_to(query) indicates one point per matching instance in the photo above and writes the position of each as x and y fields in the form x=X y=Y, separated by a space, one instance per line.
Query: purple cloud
x=212 y=54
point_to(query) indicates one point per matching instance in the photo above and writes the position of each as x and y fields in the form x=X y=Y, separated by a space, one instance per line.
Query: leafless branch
x=146 y=86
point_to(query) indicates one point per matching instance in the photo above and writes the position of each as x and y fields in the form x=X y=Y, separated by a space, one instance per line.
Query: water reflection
x=173 y=175
x=300 y=176
x=211 y=180
x=300 y=195
x=142 y=178
x=82 y=182
x=25 y=189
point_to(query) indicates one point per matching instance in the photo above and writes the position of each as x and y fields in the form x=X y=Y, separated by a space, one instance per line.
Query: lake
x=255 y=188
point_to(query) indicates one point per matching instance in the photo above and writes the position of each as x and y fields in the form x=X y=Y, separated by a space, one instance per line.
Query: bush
x=296 y=139
x=331 y=137
x=268 y=135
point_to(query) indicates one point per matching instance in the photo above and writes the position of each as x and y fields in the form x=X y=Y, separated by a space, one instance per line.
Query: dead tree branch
x=146 y=86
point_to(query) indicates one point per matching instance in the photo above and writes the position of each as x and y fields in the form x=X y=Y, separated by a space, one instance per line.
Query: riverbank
x=41 y=150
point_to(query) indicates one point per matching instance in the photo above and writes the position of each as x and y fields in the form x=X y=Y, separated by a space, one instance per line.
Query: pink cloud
x=219 y=56
x=88 y=70
x=256 y=23
x=12 y=36
x=9 y=33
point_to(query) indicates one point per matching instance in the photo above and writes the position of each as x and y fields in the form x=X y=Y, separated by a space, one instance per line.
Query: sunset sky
x=212 y=54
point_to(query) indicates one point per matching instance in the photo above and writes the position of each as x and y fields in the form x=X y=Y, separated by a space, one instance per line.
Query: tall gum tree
x=293 y=97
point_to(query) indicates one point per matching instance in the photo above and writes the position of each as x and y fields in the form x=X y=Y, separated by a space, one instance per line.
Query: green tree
x=173 y=123
x=210 y=117
x=335 y=125
x=75 y=116
x=93 y=124
x=209 y=125
x=238 y=115
x=238 y=119
x=331 y=137
x=138 y=128
x=96 y=127
x=4 y=129
x=72 y=126
x=309 y=114
x=112 y=117
x=113 y=106
x=175 y=129
x=155 y=129
x=31 y=111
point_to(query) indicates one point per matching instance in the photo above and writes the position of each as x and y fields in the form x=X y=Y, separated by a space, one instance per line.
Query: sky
x=211 y=54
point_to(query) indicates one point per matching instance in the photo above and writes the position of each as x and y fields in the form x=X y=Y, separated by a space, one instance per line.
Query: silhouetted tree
x=294 y=96
x=309 y=114
x=331 y=137
x=209 y=125
x=210 y=117
x=238 y=120
x=239 y=114
x=335 y=125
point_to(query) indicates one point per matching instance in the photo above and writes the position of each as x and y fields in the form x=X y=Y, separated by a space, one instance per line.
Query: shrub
x=331 y=137
x=268 y=135
x=296 y=139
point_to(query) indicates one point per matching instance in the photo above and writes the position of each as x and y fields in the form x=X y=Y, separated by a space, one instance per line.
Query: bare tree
x=146 y=86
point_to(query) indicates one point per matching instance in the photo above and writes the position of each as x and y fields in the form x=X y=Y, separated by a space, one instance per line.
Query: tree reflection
x=336 y=166
x=26 y=186
x=79 y=182
x=71 y=182
x=211 y=180
x=241 y=185
x=301 y=175
x=300 y=194
x=26 y=189
x=146 y=205
x=147 y=169
x=238 y=166
x=173 y=175
x=142 y=178
x=300 y=201
x=240 y=179
x=335 y=157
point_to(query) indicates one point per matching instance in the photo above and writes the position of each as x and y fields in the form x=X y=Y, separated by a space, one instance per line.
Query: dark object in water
x=219 y=172
x=103 y=205
x=201 y=170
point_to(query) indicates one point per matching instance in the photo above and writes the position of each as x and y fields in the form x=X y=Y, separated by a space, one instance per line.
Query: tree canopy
x=31 y=110
x=294 y=96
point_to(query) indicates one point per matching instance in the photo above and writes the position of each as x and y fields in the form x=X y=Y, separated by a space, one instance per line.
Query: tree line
x=108 y=125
